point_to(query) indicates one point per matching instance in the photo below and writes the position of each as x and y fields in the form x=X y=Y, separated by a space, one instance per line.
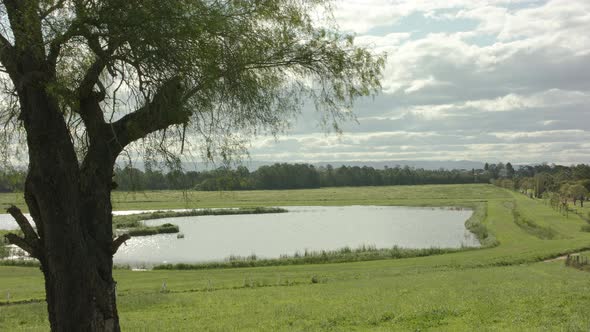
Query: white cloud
x=383 y=43
x=546 y=136
x=361 y=16
x=510 y=102
x=465 y=79
x=417 y=85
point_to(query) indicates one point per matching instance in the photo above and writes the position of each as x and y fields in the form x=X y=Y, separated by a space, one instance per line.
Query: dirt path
x=560 y=258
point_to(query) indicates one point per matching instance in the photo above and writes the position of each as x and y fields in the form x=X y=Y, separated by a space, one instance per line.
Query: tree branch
x=103 y=59
x=27 y=28
x=23 y=223
x=57 y=43
x=90 y=110
x=30 y=243
x=7 y=56
x=33 y=205
x=5 y=44
x=59 y=4
x=165 y=109
x=21 y=243
x=118 y=242
x=91 y=78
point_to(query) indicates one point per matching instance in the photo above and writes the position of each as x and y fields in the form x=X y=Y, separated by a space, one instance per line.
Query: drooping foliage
x=219 y=71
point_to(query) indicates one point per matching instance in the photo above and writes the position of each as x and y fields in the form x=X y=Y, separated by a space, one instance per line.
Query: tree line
x=12 y=180
x=534 y=180
x=556 y=183
x=291 y=176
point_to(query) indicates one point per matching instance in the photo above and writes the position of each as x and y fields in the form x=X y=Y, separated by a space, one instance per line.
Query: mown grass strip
x=531 y=227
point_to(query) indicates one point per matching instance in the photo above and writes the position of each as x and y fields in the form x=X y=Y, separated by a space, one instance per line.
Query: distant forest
x=290 y=176
x=555 y=182
x=538 y=178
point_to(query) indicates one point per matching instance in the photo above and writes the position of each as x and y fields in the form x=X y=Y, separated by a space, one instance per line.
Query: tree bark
x=76 y=259
x=70 y=206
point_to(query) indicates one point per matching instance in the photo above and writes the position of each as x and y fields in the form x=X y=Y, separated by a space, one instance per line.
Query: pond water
x=215 y=238
x=7 y=222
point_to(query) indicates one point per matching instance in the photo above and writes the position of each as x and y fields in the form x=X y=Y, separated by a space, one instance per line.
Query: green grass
x=531 y=227
x=476 y=225
x=541 y=296
x=399 y=195
x=153 y=230
x=343 y=255
x=502 y=287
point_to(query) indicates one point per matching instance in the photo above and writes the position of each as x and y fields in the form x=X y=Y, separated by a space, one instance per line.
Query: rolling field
x=399 y=195
x=506 y=287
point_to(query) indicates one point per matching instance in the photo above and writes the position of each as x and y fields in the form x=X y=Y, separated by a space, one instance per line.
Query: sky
x=496 y=80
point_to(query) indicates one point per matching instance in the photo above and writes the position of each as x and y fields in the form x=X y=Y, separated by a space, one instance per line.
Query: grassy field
x=506 y=287
x=399 y=195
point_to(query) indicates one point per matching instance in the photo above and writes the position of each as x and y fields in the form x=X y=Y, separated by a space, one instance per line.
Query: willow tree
x=91 y=79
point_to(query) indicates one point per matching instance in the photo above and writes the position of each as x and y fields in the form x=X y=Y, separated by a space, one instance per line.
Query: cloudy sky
x=496 y=80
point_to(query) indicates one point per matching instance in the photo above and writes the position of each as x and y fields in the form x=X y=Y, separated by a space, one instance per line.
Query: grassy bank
x=344 y=255
x=501 y=287
x=531 y=227
x=152 y=230
x=476 y=225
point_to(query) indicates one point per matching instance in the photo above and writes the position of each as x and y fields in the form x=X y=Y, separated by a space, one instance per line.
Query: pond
x=8 y=223
x=215 y=238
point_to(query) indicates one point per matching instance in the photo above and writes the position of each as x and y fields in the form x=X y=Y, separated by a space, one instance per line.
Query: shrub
x=363 y=253
x=153 y=230
x=476 y=226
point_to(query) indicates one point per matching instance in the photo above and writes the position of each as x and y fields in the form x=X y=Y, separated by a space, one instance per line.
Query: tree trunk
x=70 y=205
x=80 y=290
